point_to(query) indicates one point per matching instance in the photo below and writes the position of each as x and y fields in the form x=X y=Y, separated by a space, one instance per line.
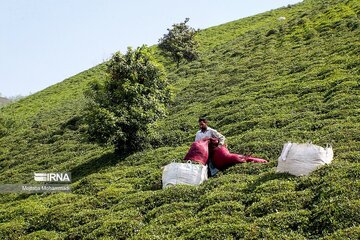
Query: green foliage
x=299 y=83
x=284 y=201
x=121 y=110
x=265 y=233
x=218 y=231
x=6 y=124
x=348 y=233
x=43 y=235
x=334 y=214
x=180 y=42
x=13 y=229
x=292 y=221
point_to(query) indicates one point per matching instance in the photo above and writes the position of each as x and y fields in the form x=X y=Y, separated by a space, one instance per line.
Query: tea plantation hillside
x=262 y=82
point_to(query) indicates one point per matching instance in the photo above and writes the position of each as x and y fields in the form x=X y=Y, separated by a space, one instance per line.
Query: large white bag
x=302 y=159
x=184 y=173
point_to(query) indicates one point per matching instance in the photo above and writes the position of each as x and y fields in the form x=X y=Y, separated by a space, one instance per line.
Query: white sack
x=302 y=159
x=184 y=173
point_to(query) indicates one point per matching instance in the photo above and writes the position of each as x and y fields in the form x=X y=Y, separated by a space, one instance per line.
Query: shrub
x=217 y=210
x=271 y=32
x=335 y=214
x=83 y=231
x=348 y=233
x=43 y=235
x=296 y=221
x=116 y=229
x=265 y=233
x=33 y=213
x=220 y=197
x=275 y=186
x=218 y=231
x=61 y=215
x=284 y=201
x=112 y=194
x=171 y=207
x=13 y=229
x=180 y=42
x=135 y=95
x=177 y=193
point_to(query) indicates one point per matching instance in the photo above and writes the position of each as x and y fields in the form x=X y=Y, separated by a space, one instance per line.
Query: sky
x=43 y=42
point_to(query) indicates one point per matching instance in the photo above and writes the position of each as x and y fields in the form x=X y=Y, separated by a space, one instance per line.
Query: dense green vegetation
x=262 y=82
x=180 y=43
x=121 y=110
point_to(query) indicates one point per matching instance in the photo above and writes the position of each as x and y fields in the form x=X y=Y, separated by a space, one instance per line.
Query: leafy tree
x=121 y=110
x=179 y=43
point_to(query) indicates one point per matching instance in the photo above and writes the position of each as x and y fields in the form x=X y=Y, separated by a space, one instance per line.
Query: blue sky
x=43 y=42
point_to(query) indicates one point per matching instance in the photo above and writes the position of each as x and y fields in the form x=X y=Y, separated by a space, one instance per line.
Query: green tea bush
x=265 y=233
x=226 y=181
x=221 y=196
x=137 y=200
x=169 y=208
x=233 y=187
x=269 y=176
x=284 y=201
x=34 y=213
x=250 y=168
x=115 y=229
x=231 y=208
x=152 y=181
x=274 y=186
x=348 y=233
x=155 y=231
x=86 y=216
x=112 y=195
x=90 y=185
x=292 y=221
x=172 y=218
x=83 y=231
x=218 y=230
x=177 y=193
x=62 y=216
x=13 y=229
x=332 y=181
x=334 y=214
x=43 y=235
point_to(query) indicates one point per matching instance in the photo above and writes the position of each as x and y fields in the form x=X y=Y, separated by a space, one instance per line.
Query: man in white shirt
x=208 y=132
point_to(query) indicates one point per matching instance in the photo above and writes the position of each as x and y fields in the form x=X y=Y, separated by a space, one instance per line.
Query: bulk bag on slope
x=184 y=173
x=302 y=159
x=199 y=151
x=222 y=158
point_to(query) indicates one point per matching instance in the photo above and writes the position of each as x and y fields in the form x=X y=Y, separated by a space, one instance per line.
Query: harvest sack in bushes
x=222 y=158
x=196 y=173
x=199 y=151
x=184 y=173
x=302 y=159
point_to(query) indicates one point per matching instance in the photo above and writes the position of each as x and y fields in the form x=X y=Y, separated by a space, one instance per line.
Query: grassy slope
x=262 y=82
